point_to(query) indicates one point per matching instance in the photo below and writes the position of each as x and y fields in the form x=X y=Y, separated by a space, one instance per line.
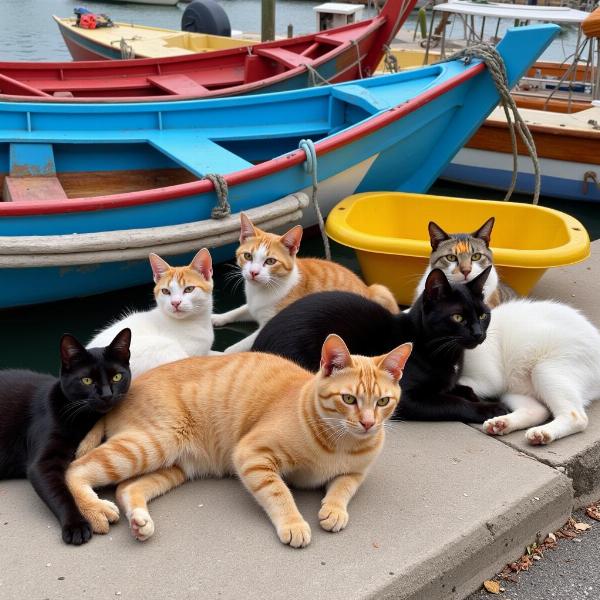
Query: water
x=30 y=335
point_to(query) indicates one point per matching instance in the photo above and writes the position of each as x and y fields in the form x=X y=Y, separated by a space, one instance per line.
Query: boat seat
x=283 y=56
x=180 y=85
x=196 y=153
x=8 y=85
x=20 y=189
x=361 y=97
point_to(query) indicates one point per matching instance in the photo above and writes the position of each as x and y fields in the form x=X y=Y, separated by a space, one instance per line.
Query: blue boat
x=83 y=169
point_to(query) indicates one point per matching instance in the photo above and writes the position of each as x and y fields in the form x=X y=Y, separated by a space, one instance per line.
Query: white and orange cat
x=179 y=325
x=257 y=416
x=274 y=277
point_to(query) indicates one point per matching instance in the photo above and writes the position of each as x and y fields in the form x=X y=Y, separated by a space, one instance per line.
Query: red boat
x=331 y=56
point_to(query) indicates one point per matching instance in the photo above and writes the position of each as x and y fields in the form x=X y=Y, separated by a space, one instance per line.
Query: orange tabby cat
x=254 y=415
x=274 y=278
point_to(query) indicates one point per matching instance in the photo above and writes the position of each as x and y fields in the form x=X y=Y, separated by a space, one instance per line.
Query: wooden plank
x=23 y=189
x=179 y=85
x=283 y=56
x=196 y=153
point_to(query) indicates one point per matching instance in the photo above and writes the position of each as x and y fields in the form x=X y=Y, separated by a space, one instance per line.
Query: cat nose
x=106 y=393
x=367 y=423
x=254 y=273
x=465 y=271
x=175 y=303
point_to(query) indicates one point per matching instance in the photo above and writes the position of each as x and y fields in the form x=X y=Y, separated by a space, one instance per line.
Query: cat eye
x=483 y=317
x=189 y=289
x=451 y=257
x=166 y=291
x=87 y=380
x=348 y=399
x=383 y=401
x=458 y=318
x=247 y=256
x=117 y=377
x=270 y=261
x=476 y=256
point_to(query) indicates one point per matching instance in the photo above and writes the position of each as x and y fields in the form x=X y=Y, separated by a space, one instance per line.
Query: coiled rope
x=497 y=69
x=223 y=208
x=390 y=62
x=310 y=166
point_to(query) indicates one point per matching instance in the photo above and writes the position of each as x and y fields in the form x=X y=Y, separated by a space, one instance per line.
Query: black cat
x=444 y=321
x=43 y=419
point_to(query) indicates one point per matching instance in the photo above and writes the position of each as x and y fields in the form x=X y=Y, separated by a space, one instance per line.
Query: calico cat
x=257 y=416
x=274 y=277
x=543 y=359
x=179 y=325
x=43 y=419
x=443 y=322
x=462 y=257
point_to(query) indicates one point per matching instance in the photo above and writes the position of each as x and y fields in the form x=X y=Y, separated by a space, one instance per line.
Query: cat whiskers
x=73 y=409
x=234 y=277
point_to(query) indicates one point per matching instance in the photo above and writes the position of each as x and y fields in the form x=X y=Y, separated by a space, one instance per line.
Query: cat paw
x=76 y=532
x=333 y=518
x=101 y=514
x=296 y=535
x=218 y=320
x=538 y=436
x=497 y=426
x=141 y=524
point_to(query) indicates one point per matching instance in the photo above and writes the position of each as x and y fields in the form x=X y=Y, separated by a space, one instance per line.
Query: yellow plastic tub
x=388 y=230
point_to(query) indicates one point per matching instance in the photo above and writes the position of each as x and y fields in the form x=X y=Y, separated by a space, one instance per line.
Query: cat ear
x=476 y=285
x=159 y=266
x=334 y=355
x=202 y=263
x=394 y=362
x=437 y=286
x=70 y=351
x=247 y=229
x=119 y=347
x=485 y=231
x=291 y=239
x=436 y=235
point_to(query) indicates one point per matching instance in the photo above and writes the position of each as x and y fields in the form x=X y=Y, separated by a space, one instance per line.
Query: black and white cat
x=445 y=320
x=542 y=358
x=43 y=419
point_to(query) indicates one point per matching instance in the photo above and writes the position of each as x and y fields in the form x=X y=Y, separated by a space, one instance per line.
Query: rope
x=314 y=76
x=310 y=166
x=390 y=62
x=127 y=50
x=493 y=61
x=222 y=209
x=355 y=44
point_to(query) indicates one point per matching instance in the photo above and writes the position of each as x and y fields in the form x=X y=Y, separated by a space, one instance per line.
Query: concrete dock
x=445 y=507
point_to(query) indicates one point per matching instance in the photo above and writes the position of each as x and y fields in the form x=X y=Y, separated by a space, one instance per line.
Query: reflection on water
x=30 y=335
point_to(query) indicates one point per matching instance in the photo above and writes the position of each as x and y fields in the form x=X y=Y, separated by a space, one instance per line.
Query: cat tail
x=382 y=295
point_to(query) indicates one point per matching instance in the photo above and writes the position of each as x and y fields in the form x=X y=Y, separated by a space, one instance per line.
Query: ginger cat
x=274 y=277
x=257 y=416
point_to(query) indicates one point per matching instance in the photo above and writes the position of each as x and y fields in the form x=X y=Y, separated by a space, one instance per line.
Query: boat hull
x=396 y=132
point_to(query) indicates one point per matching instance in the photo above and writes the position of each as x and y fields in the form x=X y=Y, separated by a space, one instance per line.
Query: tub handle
x=587 y=176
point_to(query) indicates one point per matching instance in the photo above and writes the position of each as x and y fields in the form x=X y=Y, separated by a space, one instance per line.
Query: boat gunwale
x=574 y=250
x=279 y=163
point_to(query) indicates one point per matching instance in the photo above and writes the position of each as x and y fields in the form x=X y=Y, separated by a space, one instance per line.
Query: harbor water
x=27 y=32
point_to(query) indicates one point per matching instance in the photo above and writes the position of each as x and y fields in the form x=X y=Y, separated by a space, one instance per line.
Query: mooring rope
x=497 y=69
x=390 y=62
x=310 y=166
x=223 y=208
x=355 y=44
x=314 y=75
x=126 y=49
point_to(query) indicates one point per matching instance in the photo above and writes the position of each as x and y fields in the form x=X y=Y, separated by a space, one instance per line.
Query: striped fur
x=257 y=416
x=274 y=278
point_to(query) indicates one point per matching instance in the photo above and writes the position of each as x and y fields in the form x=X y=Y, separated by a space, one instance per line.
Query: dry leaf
x=582 y=526
x=375 y=545
x=593 y=511
x=493 y=587
x=552 y=537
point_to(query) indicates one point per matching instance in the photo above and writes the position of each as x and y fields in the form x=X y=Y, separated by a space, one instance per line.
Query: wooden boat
x=389 y=233
x=568 y=148
x=89 y=168
x=138 y=41
x=334 y=55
